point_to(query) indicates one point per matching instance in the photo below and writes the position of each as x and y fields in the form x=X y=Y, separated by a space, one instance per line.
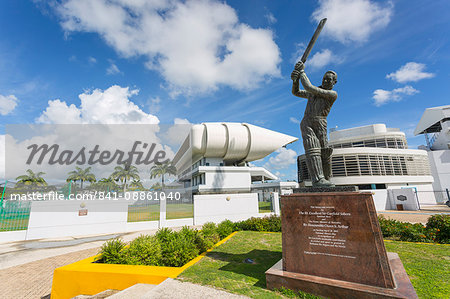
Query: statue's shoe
x=323 y=183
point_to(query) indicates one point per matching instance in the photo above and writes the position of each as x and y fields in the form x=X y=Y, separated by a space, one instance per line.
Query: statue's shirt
x=320 y=100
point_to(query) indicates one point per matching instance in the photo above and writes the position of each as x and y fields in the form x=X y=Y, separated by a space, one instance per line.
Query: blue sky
x=166 y=61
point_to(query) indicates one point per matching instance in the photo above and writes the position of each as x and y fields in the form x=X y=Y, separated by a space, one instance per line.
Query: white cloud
x=412 y=71
x=181 y=121
x=270 y=18
x=92 y=60
x=7 y=104
x=322 y=58
x=154 y=104
x=284 y=158
x=382 y=96
x=176 y=134
x=294 y=120
x=195 y=45
x=353 y=20
x=112 y=69
x=111 y=106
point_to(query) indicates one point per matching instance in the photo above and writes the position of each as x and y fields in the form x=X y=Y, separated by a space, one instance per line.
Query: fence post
x=162 y=212
x=1 y=203
x=276 y=203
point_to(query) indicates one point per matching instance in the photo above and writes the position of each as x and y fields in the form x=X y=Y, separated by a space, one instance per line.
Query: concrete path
x=174 y=289
x=420 y=216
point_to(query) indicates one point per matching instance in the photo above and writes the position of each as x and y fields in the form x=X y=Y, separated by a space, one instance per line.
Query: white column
x=162 y=212
x=276 y=203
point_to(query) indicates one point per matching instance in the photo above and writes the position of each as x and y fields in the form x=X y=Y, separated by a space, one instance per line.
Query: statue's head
x=329 y=79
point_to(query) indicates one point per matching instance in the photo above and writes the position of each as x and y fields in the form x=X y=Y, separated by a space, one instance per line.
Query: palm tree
x=106 y=184
x=125 y=173
x=156 y=187
x=161 y=169
x=136 y=185
x=81 y=175
x=31 y=179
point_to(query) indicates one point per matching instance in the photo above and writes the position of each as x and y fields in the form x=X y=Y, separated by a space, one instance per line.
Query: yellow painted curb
x=87 y=278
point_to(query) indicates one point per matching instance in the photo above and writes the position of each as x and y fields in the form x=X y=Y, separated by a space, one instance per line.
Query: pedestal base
x=333 y=288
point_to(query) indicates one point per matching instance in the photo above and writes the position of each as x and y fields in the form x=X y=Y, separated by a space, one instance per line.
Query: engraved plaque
x=334 y=235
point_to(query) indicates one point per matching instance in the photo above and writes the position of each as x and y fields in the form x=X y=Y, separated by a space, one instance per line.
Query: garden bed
x=90 y=276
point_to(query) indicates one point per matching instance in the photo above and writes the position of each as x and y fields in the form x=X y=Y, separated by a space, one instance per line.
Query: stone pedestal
x=333 y=247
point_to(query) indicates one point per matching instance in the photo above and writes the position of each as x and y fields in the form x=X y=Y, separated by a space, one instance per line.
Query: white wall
x=225 y=178
x=54 y=219
x=440 y=169
x=409 y=201
x=379 y=199
x=218 y=207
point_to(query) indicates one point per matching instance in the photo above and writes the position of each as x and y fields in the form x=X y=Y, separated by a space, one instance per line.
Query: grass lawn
x=427 y=265
x=265 y=206
x=20 y=223
x=151 y=212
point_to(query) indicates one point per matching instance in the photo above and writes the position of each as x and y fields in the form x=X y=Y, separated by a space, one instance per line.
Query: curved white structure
x=213 y=157
x=231 y=142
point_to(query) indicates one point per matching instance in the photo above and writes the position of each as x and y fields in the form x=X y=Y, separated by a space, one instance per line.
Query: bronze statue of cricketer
x=314 y=123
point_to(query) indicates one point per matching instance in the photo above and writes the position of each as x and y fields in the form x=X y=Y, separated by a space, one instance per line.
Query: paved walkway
x=34 y=280
x=420 y=216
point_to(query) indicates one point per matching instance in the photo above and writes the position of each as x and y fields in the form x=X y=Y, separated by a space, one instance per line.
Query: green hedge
x=436 y=230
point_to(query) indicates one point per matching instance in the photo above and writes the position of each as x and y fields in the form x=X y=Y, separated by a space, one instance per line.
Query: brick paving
x=34 y=280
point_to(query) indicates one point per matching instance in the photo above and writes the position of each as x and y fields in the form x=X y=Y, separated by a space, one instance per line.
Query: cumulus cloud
x=382 y=96
x=323 y=58
x=181 y=121
x=7 y=104
x=111 y=106
x=352 y=20
x=283 y=159
x=195 y=45
x=410 y=72
x=177 y=133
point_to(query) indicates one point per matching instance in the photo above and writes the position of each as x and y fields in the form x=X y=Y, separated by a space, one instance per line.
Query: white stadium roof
x=430 y=121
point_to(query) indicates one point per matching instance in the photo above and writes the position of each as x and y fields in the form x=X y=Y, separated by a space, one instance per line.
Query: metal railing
x=14 y=215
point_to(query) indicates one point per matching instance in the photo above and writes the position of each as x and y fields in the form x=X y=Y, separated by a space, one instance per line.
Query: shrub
x=144 y=250
x=441 y=226
x=414 y=233
x=111 y=251
x=176 y=248
x=200 y=241
x=225 y=228
x=265 y=224
x=209 y=232
x=390 y=227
